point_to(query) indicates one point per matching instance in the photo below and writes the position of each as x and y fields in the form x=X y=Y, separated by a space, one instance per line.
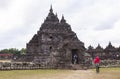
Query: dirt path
x=90 y=74
x=76 y=74
x=81 y=74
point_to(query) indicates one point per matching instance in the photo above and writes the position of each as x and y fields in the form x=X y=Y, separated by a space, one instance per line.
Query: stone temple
x=55 y=45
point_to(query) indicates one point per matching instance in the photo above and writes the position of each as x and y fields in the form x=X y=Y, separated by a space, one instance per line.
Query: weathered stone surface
x=110 y=52
x=55 y=44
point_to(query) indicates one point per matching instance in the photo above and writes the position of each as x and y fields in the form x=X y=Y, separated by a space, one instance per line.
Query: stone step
x=78 y=67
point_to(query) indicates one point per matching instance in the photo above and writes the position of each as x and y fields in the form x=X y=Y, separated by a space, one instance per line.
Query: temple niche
x=55 y=45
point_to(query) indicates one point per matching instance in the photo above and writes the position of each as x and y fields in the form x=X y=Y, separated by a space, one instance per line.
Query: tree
x=14 y=51
x=5 y=51
x=23 y=51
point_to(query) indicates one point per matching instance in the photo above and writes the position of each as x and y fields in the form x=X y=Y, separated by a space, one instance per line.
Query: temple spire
x=51 y=16
x=98 y=47
x=51 y=10
x=57 y=18
x=63 y=20
x=62 y=16
x=110 y=43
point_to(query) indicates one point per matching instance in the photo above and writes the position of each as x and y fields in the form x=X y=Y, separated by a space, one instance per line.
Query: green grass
x=105 y=73
x=108 y=73
x=30 y=74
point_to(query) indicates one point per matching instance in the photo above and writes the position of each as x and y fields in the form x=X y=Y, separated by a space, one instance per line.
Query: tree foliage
x=23 y=51
x=13 y=51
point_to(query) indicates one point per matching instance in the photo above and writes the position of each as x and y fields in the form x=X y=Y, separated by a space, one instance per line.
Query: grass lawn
x=108 y=73
x=105 y=73
x=32 y=74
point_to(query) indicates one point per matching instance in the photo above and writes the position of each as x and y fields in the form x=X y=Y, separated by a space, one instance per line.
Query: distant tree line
x=13 y=51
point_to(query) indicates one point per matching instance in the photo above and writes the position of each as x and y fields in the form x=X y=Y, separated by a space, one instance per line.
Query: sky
x=94 y=21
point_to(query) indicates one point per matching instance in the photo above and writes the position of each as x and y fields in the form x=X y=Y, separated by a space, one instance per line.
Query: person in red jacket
x=97 y=62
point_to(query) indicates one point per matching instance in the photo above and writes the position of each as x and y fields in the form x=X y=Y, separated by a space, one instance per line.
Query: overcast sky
x=94 y=21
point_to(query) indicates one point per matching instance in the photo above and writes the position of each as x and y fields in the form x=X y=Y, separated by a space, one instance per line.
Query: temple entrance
x=75 y=56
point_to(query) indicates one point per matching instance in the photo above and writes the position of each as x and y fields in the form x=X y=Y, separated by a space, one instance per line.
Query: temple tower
x=55 y=44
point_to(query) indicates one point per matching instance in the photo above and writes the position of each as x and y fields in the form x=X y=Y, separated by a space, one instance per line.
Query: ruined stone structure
x=110 y=52
x=55 y=44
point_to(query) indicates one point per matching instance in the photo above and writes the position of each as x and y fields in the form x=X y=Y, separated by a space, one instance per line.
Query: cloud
x=4 y=3
x=94 y=21
x=21 y=21
x=107 y=24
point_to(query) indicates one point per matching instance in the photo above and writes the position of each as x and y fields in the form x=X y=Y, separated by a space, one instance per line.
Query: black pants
x=97 y=69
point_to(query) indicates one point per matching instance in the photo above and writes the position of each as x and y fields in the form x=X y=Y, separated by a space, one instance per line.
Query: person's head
x=97 y=57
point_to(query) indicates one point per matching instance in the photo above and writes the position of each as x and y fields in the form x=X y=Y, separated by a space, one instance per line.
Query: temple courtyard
x=105 y=73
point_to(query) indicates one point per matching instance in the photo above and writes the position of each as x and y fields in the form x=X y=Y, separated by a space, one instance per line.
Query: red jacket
x=97 y=60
